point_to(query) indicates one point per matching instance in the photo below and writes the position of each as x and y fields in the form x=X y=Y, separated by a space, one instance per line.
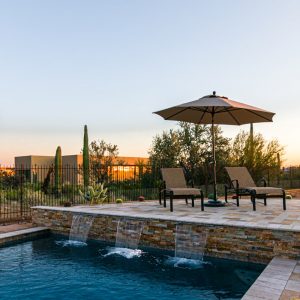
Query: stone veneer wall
x=240 y=243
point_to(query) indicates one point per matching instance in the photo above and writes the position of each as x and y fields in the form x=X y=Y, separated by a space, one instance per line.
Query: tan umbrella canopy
x=216 y=109
x=213 y=109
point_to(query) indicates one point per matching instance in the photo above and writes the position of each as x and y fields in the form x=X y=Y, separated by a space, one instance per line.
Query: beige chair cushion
x=184 y=192
x=173 y=177
x=266 y=190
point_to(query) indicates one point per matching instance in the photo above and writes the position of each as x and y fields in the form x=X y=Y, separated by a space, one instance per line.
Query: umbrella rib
x=204 y=111
x=227 y=109
x=233 y=117
x=255 y=113
x=220 y=111
x=184 y=109
x=199 y=108
x=248 y=110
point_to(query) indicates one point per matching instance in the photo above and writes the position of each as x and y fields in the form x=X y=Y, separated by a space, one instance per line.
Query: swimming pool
x=50 y=268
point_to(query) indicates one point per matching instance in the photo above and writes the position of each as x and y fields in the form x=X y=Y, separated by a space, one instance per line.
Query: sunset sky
x=110 y=64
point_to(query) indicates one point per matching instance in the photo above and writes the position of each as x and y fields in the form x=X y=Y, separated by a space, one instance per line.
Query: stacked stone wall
x=233 y=242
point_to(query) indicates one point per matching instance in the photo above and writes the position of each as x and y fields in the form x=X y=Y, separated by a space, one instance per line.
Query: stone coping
x=271 y=217
x=280 y=280
x=14 y=227
x=20 y=235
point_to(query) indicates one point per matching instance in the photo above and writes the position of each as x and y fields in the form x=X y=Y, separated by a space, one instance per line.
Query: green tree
x=102 y=157
x=257 y=154
x=223 y=149
x=194 y=151
x=165 y=149
x=190 y=147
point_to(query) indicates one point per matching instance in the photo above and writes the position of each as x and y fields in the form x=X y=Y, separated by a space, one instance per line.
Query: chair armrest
x=192 y=183
x=163 y=185
x=236 y=182
x=232 y=185
x=263 y=180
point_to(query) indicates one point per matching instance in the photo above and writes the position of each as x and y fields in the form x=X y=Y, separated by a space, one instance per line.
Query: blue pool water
x=50 y=268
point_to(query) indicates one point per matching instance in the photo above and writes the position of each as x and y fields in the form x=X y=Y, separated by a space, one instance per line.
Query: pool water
x=51 y=268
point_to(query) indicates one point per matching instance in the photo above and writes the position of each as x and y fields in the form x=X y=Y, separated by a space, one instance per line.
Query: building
x=36 y=167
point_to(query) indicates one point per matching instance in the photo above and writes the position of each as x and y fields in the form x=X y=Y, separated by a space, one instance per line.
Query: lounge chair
x=175 y=187
x=242 y=184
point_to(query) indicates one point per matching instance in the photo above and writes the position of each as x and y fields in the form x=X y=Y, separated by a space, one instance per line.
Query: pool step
x=23 y=234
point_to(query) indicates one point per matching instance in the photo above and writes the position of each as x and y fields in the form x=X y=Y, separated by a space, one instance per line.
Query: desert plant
x=86 y=160
x=12 y=194
x=94 y=194
x=58 y=170
x=68 y=188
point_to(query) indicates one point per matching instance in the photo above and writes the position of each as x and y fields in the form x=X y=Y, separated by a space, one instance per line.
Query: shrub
x=119 y=200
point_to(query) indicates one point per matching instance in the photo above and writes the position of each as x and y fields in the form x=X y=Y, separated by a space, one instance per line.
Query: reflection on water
x=71 y=243
x=185 y=263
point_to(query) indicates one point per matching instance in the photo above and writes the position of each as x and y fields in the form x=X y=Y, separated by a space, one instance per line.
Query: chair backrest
x=242 y=175
x=173 y=177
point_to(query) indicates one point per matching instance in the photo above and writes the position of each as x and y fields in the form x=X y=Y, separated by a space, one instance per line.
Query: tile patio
x=271 y=216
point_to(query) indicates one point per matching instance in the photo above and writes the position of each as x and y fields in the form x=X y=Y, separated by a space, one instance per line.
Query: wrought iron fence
x=22 y=187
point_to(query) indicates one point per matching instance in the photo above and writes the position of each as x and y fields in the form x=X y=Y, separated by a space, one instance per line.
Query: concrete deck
x=271 y=216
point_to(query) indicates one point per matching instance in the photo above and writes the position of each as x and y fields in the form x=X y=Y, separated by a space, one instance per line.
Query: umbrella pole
x=214 y=202
x=214 y=159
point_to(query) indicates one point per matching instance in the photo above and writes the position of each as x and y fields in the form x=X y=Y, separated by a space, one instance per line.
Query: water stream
x=127 y=238
x=80 y=228
x=189 y=246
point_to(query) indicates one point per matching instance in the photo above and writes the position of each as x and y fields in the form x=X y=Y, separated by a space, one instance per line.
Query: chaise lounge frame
x=175 y=187
x=242 y=184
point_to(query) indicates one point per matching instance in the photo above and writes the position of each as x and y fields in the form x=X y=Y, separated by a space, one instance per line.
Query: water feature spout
x=80 y=228
x=129 y=233
x=188 y=243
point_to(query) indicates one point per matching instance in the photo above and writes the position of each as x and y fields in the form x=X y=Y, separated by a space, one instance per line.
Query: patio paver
x=271 y=216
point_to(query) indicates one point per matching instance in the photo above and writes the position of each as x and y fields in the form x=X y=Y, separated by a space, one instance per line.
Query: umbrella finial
x=214 y=93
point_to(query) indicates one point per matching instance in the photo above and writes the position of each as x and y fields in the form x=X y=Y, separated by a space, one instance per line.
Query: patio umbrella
x=214 y=109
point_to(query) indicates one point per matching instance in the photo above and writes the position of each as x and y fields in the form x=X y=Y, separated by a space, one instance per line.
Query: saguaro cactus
x=58 y=170
x=86 y=159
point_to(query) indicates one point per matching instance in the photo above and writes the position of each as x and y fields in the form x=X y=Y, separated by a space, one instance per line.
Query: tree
x=165 y=149
x=102 y=157
x=9 y=179
x=190 y=147
x=257 y=154
x=222 y=148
